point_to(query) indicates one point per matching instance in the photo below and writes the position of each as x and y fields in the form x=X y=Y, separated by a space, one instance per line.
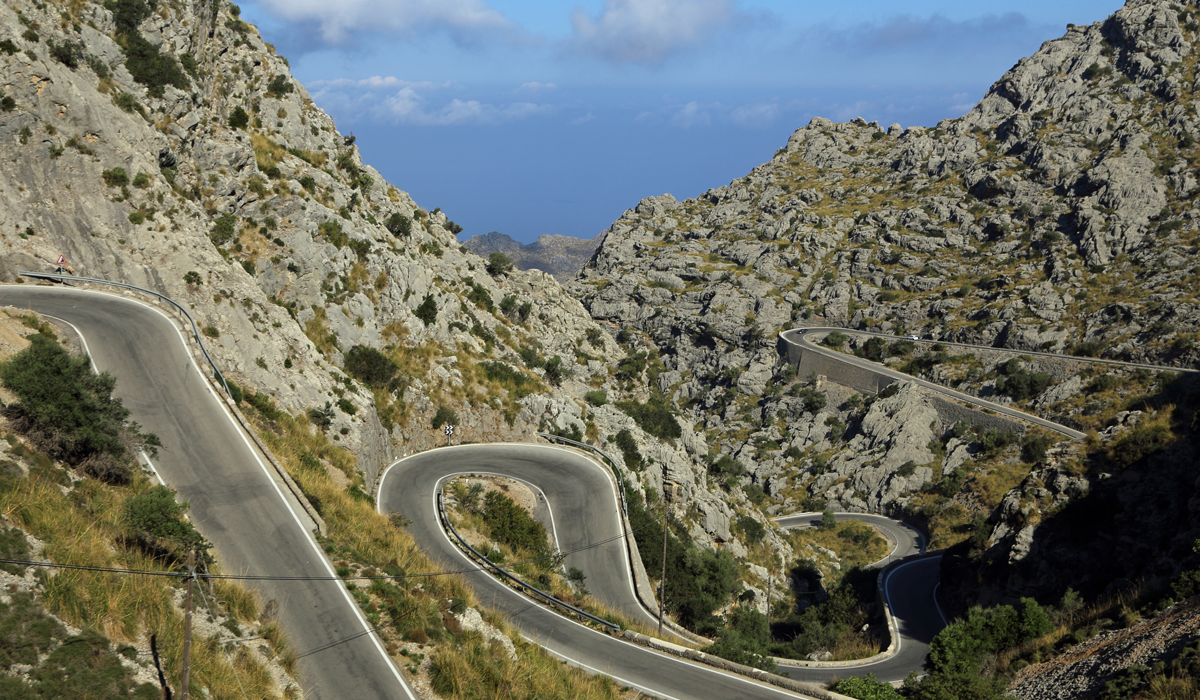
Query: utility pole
x=187 y=626
x=662 y=582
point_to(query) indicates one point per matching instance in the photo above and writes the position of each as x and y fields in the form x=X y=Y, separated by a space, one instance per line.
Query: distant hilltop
x=561 y=256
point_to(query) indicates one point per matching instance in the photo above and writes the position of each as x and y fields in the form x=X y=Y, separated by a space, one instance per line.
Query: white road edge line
x=307 y=535
x=667 y=657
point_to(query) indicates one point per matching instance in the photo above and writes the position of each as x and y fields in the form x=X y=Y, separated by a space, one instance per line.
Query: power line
x=269 y=577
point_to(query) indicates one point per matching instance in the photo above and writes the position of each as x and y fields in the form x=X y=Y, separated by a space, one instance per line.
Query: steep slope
x=1056 y=215
x=217 y=181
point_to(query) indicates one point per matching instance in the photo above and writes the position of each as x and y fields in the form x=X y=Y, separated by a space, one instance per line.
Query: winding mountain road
x=238 y=504
x=236 y=500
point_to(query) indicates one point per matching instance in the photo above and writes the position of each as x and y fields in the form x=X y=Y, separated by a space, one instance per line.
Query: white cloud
x=465 y=20
x=646 y=32
x=408 y=107
x=376 y=82
x=755 y=116
x=692 y=114
x=535 y=86
x=589 y=117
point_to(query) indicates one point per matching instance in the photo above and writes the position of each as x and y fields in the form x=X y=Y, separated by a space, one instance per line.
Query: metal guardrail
x=95 y=280
x=494 y=567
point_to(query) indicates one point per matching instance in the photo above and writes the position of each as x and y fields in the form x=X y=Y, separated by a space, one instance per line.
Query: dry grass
x=415 y=611
x=840 y=539
x=84 y=527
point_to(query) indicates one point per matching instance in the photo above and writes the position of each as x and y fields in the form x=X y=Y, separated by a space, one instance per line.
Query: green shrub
x=126 y=102
x=629 y=450
x=347 y=406
x=68 y=53
x=835 y=339
x=7 y=103
x=867 y=688
x=1033 y=448
x=224 y=229
x=427 y=311
x=752 y=530
x=754 y=493
x=370 y=366
x=192 y=277
x=189 y=64
x=239 y=119
x=136 y=218
x=69 y=412
x=512 y=525
x=279 y=86
x=157 y=521
x=907 y=469
x=8 y=47
x=745 y=639
x=480 y=297
x=1019 y=383
x=655 y=417
x=115 y=177
x=556 y=370
x=499 y=264
x=141 y=180
x=212 y=331
x=444 y=416
x=151 y=68
x=596 y=398
x=398 y=224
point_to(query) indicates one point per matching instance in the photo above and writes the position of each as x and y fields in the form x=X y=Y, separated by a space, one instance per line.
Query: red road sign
x=61 y=261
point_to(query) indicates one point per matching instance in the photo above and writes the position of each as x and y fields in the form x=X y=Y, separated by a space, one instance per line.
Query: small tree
x=239 y=119
x=398 y=224
x=499 y=264
x=828 y=520
x=835 y=339
x=427 y=311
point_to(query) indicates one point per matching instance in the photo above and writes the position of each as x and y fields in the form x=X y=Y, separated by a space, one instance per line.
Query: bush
x=835 y=339
x=141 y=180
x=745 y=639
x=397 y=224
x=444 y=416
x=427 y=311
x=192 y=277
x=1033 y=448
x=512 y=525
x=115 y=177
x=629 y=450
x=126 y=102
x=1020 y=383
x=158 y=523
x=137 y=218
x=68 y=53
x=370 y=366
x=239 y=119
x=656 y=418
x=752 y=530
x=596 y=398
x=499 y=264
x=867 y=688
x=151 y=68
x=754 y=493
x=69 y=412
x=556 y=370
x=224 y=229
x=279 y=86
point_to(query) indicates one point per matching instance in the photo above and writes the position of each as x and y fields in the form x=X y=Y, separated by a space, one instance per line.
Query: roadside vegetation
x=483 y=512
x=414 y=613
x=93 y=507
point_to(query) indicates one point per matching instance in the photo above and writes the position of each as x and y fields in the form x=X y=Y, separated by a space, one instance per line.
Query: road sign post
x=449 y=432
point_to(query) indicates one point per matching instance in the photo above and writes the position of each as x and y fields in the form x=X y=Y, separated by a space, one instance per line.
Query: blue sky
x=532 y=117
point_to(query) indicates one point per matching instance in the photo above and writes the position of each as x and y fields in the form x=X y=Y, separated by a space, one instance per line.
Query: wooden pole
x=662 y=582
x=187 y=627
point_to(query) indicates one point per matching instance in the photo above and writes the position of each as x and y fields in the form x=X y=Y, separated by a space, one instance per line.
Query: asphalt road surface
x=583 y=504
x=799 y=338
x=235 y=501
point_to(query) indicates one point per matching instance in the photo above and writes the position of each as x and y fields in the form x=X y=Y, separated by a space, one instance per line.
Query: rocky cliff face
x=561 y=256
x=167 y=146
x=226 y=188
x=1059 y=214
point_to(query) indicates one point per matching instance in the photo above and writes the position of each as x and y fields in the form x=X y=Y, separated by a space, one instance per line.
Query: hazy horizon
x=528 y=117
